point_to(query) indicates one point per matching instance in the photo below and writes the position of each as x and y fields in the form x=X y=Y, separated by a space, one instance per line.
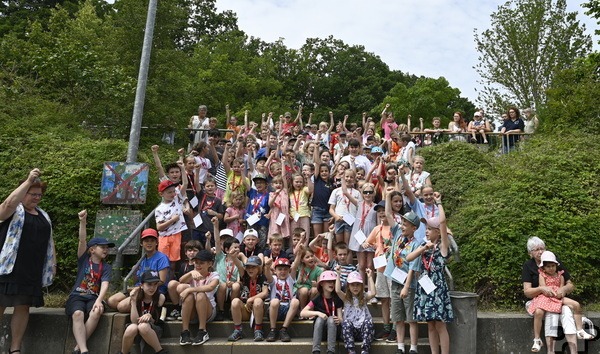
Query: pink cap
x=328 y=275
x=354 y=277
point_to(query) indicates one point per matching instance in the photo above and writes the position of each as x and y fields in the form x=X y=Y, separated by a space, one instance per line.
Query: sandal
x=581 y=334
x=537 y=345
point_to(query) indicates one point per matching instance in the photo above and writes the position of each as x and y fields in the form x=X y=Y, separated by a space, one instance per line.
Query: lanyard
x=208 y=205
x=257 y=202
x=430 y=212
x=147 y=308
x=297 y=199
x=190 y=177
x=282 y=291
x=365 y=211
x=230 y=268
x=326 y=303
x=234 y=186
x=399 y=248
x=427 y=263
x=253 y=287
x=95 y=276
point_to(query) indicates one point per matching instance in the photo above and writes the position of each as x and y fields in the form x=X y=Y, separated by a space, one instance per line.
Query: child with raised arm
x=145 y=311
x=435 y=307
x=84 y=304
x=283 y=305
x=258 y=208
x=227 y=265
x=326 y=308
x=279 y=204
x=170 y=221
x=342 y=206
x=358 y=322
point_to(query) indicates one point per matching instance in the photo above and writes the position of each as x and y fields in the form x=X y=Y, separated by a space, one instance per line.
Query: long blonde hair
x=361 y=295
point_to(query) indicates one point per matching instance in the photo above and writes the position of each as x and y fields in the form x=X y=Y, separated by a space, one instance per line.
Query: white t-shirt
x=343 y=205
x=165 y=212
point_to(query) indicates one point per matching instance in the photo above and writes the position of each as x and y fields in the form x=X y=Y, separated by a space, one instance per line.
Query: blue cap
x=376 y=150
x=100 y=241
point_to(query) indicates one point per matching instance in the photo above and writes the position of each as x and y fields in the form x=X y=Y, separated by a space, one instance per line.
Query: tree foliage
x=528 y=43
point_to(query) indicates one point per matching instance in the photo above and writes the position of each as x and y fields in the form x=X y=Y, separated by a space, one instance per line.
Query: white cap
x=224 y=232
x=547 y=256
x=250 y=232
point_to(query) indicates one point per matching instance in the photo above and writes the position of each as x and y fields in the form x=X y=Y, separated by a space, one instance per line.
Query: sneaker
x=272 y=335
x=284 y=336
x=185 y=338
x=258 y=335
x=201 y=337
x=399 y=351
x=392 y=337
x=413 y=352
x=236 y=335
x=383 y=334
x=173 y=315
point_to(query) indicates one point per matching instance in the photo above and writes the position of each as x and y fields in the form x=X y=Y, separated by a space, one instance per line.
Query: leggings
x=363 y=331
x=319 y=327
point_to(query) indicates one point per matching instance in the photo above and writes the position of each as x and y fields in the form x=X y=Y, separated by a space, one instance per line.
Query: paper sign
x=379 y=261
x=399 y=275
x=198 y=220
x=427 y=284
x=240 y=236
x=349 y=219
x=360 y=237
x=296 y=217
x=194 y=202
x=280 y=219
x=253 y=219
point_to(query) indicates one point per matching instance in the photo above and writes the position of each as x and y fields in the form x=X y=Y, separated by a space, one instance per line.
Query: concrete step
x=298 y=345
x=298 y=329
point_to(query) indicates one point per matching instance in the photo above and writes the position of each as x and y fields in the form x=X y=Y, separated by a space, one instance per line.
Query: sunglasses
x=368 y=192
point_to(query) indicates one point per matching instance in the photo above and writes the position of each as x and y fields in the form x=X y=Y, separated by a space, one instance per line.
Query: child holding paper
x=279 y=203
x=366 y=220
x=342 y=208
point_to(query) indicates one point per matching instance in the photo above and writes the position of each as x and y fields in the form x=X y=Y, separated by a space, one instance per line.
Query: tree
x=528 y=43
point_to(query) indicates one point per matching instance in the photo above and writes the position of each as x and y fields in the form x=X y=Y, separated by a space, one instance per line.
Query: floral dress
x=436 y=306
x=547 y=303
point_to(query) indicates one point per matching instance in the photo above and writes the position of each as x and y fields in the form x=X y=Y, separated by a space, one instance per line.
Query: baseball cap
x=412 y=218
x=434 y=222
x=166 y=184
x=379 y=205
x=99 y=241
x=259 y=176
x=205 y=256
x=354 y=277
x=254 y=261
x=224 y=232
x=281 y=262
x=477 y=114
x=149 y=233
x=287 y=114
x=150 y=276
x=250 y=232
x=376 y=150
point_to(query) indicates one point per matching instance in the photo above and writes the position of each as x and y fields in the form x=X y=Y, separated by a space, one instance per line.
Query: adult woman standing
x=457 y=126
x=27 y=258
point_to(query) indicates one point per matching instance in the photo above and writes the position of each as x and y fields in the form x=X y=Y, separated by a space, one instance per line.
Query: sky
x=429 y=38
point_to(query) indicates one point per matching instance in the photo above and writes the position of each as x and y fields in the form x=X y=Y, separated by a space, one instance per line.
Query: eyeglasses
x=36 y=195
x=368 y=192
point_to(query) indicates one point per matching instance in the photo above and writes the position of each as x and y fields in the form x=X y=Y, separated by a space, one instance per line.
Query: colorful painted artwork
x=117 y=225
x=124 y=183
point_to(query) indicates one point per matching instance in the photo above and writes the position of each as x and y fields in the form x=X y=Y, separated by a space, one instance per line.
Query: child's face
x=191 y=253
x=298 y=182
x=252 y=271
x=189 y=163
x=325 y=157
x=260 y=165
x=328 y=285
x=260 y=184
x=360 y=175
x=149 y=244
x=250 y=242
x=306 y=171
x=295 y=240
x=100 y=251
x=282 y=272
x=549 y=268
x=150 y=288
x=237 y=168
x=276 y=247
x=349 y=178
x=277 y=184
x=397 y=203
x=418 y=164
x=355 y=288
x=202 y=266
x=237 y=201
x=210 y=188
x=408 y=229
x=436 y=123
x=174 y=175
x=168 y=194
x=308 y=259
x=432 y=234
x=342 y=256
x=427 y=194
x=276 y=169
x=324 y=172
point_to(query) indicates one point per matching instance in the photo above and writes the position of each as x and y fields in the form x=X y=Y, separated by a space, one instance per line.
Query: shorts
x=402 y=310
x=383 y=286
x=551 y=322
x=157 y=329
x=282 y=311
x=171 y=246
x=341 y=227
x=78 y=302
x=319 y=215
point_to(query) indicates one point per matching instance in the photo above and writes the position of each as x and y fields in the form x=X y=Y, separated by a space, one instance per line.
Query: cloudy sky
x=432 y=38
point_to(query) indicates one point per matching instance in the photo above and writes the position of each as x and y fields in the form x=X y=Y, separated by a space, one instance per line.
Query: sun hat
x=99 y=241
x=327 y=275
x=354 y=277
x=547 y=256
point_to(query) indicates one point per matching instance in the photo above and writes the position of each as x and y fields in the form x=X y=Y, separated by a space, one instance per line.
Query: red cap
x=281 y=262
x=166 y=184
x=149 y=233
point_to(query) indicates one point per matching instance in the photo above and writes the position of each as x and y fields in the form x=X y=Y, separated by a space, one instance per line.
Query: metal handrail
x=118 y=263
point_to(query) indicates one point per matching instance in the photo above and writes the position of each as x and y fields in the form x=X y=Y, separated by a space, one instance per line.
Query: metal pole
x=140 y=93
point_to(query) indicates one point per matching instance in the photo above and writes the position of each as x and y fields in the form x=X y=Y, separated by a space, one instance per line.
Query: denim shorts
x=342 y=226
x=319 y=215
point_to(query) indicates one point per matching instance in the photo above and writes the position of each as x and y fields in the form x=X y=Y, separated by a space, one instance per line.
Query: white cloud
x=423 y=37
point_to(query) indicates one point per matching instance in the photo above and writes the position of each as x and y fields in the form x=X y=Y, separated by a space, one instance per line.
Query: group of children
x=243 y=217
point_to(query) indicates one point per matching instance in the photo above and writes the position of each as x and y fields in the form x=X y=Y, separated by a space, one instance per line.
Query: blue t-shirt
x=258 y=203
x=89 y=279
x=157 y=262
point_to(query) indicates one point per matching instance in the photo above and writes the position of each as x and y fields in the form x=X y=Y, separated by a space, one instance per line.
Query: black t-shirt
x=333 y=304
x=530 y=273
x=261 y=282
x=282 y=254
x=257 y=250
x=322 y=191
